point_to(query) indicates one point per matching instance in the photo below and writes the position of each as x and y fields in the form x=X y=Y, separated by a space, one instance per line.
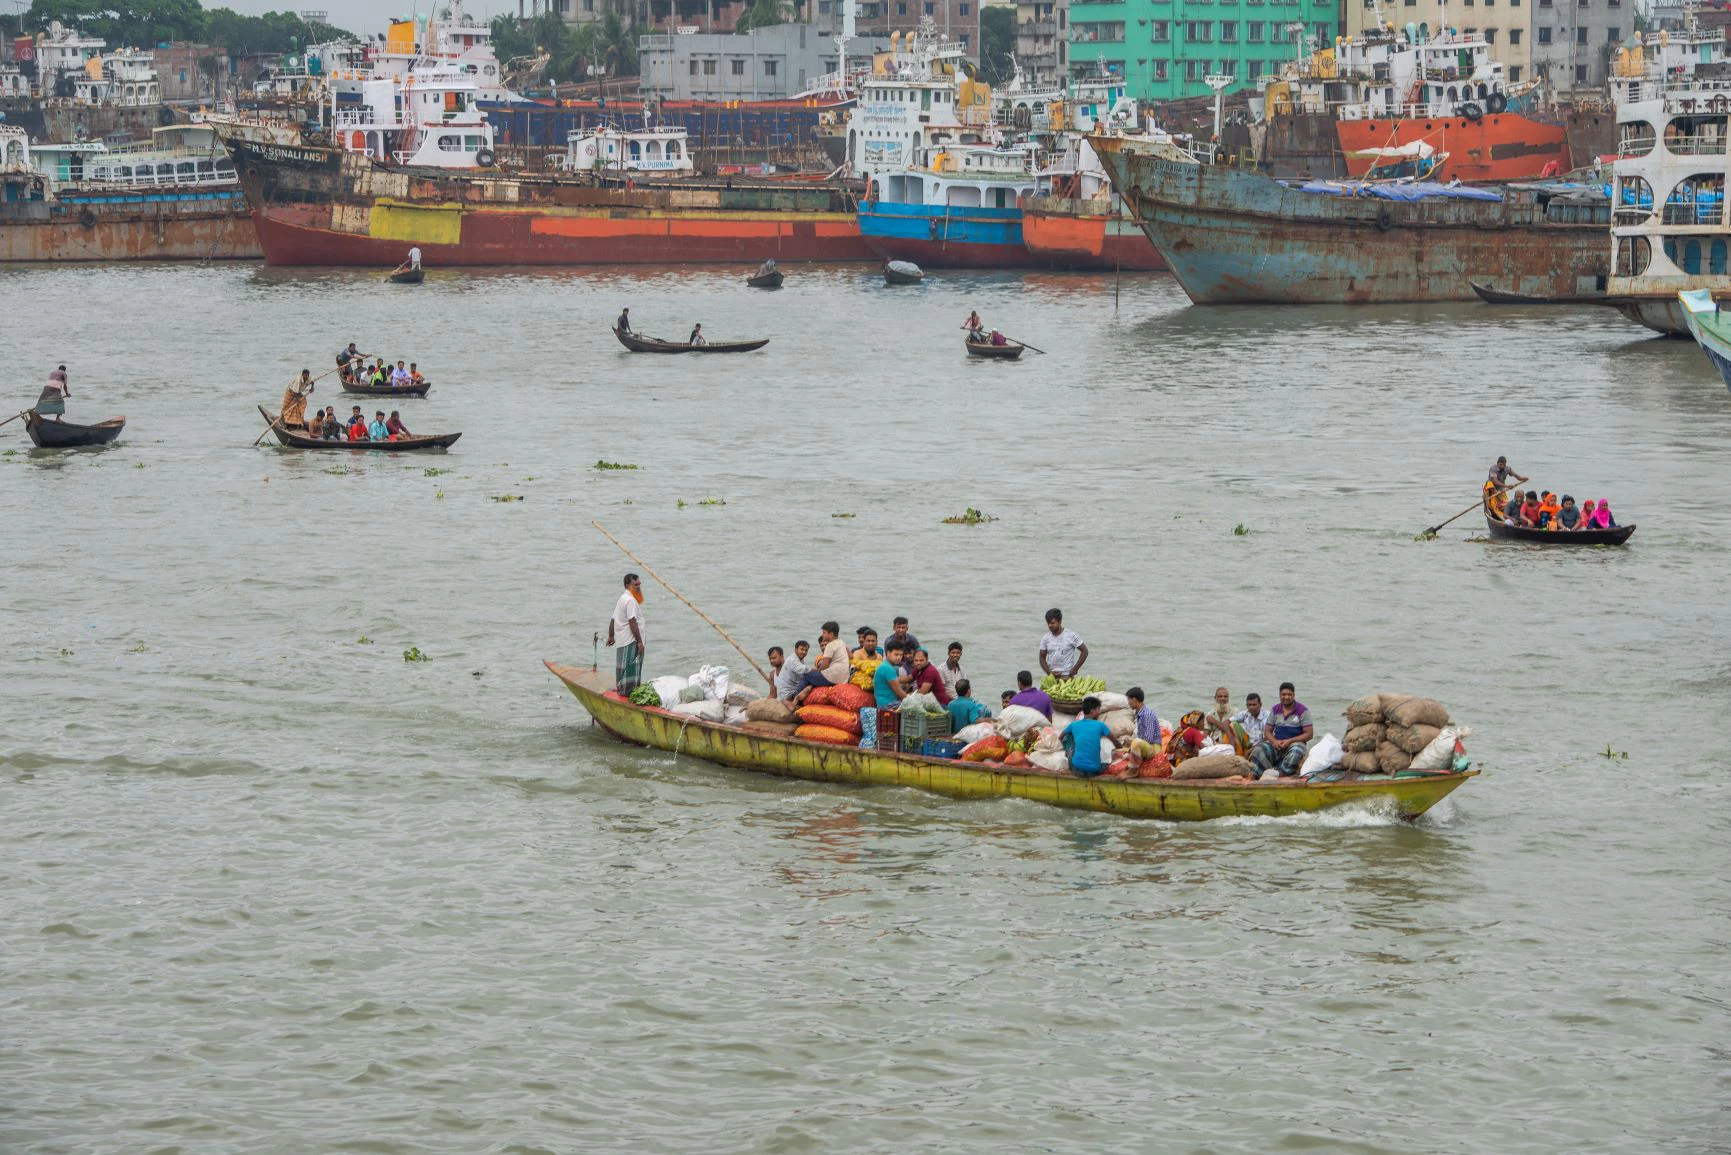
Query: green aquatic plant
x=680 y=504
x=363 y=640
x=509 y=497
x=1240 y=530
x=337 y=470
x=971 y=516
x=840 y=515
x=712 y=501
x=433 y=471
x=413 y=654
x=139 y=465
x=604 y=464
x=1618 y=755
x=438 y=495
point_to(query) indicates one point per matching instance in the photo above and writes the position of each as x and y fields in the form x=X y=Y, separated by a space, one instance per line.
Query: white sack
x=1018 y=720
x=704 y=711
x=713 y=679
x=1047 y=760
x=1323 y=753
x=668 y=686
x=1110 y=701
x=968 y=735
x=1440 y=754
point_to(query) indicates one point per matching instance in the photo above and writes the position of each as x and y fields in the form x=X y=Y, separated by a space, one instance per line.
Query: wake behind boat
x=642 y=343
x=1163 y=798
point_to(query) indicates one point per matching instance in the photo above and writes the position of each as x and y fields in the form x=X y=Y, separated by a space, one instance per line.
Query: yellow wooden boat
x=1188 y=801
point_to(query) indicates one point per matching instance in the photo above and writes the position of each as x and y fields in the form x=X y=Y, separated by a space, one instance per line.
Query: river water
x=271 y=888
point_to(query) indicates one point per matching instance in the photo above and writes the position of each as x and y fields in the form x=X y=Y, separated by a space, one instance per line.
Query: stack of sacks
x=1391 y=731
x=846 y=696
x=830 y=724
x=669 y=686
x=771 y=716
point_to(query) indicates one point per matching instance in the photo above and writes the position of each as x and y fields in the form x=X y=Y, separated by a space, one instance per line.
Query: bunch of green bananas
x=1071 y=689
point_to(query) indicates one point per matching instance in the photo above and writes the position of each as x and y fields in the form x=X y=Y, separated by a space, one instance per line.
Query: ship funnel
x=1411 y=33
x=1424 y=33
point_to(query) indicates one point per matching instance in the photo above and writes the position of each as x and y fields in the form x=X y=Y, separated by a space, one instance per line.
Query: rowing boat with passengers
x=1186 y=800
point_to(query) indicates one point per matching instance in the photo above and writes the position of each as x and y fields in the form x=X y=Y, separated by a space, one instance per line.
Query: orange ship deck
x=1073 y=233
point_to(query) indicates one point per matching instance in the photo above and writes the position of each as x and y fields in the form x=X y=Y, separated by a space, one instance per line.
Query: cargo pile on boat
x=1396 y=733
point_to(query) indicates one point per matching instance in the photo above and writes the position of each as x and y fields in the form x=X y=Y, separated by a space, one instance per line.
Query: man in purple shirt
x=1285 y=736
x=1034 y=699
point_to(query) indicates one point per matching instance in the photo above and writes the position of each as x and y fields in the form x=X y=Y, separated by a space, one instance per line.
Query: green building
x=1163 y=48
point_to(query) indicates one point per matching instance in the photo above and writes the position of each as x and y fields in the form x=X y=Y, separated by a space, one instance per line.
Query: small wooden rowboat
x=1006 y=352
x=65 y=435
x=769 y=280
x=293 y=440
x=1502 y=531
x=387 y=390
x=1133 y=798
x=407 y=276
x=902 y=273
x=638 y=343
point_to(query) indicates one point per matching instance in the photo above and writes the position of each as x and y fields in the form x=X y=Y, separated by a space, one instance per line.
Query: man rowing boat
x=294 y=400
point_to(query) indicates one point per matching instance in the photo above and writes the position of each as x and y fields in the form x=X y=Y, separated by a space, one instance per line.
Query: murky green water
x=270 y=889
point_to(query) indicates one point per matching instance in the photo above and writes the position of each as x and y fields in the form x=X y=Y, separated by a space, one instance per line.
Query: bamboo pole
x=683 y=598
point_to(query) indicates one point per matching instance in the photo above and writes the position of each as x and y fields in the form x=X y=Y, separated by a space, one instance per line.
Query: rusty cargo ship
x=1236 y=236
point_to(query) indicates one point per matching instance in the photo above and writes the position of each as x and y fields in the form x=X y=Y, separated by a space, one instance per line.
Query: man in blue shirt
x=964 y=711
x=1082 y=740
x=377 y=431
x=887 y=683
x=1147 y=722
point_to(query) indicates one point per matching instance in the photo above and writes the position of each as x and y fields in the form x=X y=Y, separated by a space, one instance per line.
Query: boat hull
x=944 y=237
x=993 y=352
x=66 y=435
x=1237 y=237
x=1134 y=798
x=1497 y=147
x=1082 y=234
x=387 y=390
x=1704 y=324
x=316 y=206
x=158 y=225
x=289 y=439
x=1502 y=531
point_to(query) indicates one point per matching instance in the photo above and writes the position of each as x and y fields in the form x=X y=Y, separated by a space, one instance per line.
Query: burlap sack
x=770 y=710
x=1362 y=763
x=1363 y=739
x=1214 y=766
x=778 y=729
x=1366 y=711
x=1412 y=739
x=1391 y=759
x=1418 y=712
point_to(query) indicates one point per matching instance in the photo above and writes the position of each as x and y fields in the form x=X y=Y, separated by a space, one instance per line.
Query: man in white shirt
x=951 y=671
x=831 y=666
x=415 y=257
x=1062 y=651
x=625 y=636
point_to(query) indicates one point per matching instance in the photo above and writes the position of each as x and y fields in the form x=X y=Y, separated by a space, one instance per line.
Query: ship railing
x=1697 y=144
x=1693 y=213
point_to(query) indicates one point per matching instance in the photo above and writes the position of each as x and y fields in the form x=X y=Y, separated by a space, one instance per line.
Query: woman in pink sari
x=1602 y=518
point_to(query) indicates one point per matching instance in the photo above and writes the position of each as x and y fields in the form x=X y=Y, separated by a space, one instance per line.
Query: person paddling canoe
x=52 y=402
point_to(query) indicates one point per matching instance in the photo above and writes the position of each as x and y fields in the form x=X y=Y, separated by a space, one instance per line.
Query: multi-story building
x=1506 y=25
x=1164 y=48
x=1042 y=40
x=770 y=63
x=957 y=19
x=1573 y=40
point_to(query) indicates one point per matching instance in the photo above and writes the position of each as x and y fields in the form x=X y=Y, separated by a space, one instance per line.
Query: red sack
x=1155 y=766
x=850 y=698
x=827 y=734
x=834 y=717
x=988 y=749
x=822 y=696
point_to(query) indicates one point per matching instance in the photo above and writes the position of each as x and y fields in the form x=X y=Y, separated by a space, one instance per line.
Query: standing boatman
x=624 y=322
x=1496 y=483
x=414 y=257
x=294 y=401
x=52 y=402
x=1501 y=472
x=625 y=636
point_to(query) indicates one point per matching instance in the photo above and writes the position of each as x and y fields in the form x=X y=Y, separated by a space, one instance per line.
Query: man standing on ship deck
x=625 y=636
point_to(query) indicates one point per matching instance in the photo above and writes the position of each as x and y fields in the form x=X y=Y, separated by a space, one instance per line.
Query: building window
x=1469 y=3
x=1193 y=69
x=694 y=68
x=1161 y=31
x=1580 y=74
x=1228 y=32
x=1159 y=70
x=1580 y=36
x=1490 y=3
x=963 y=9
x=709 y=68
x=738 y=67
x=1611 y=35
x=931 y=8
x=1199 y=31
x=901 y=8
x=1544 y=3
x=964 y=42
x=1514 y=73
x=1514 y=36
x=1544 y=36
x=1253 y=31
x=769 y=68
x=1490 y=36
x=1322 y=36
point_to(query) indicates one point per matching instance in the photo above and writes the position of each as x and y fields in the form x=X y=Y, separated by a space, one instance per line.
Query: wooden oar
x=1024 y=344
x=1479 y=504
x=10 y=420
x=682 y=598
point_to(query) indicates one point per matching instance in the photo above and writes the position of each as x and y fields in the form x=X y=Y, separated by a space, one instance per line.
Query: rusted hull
x=1238 y=237
x=1076 y=234
x=316 y=207
x=139 y=234
x=1181 y=801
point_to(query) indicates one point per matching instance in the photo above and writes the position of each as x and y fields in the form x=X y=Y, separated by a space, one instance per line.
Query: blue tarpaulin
x=1398 y=192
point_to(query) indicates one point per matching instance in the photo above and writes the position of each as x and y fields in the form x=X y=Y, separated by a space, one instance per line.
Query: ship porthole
x=87 y=218
x=1385 y=220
